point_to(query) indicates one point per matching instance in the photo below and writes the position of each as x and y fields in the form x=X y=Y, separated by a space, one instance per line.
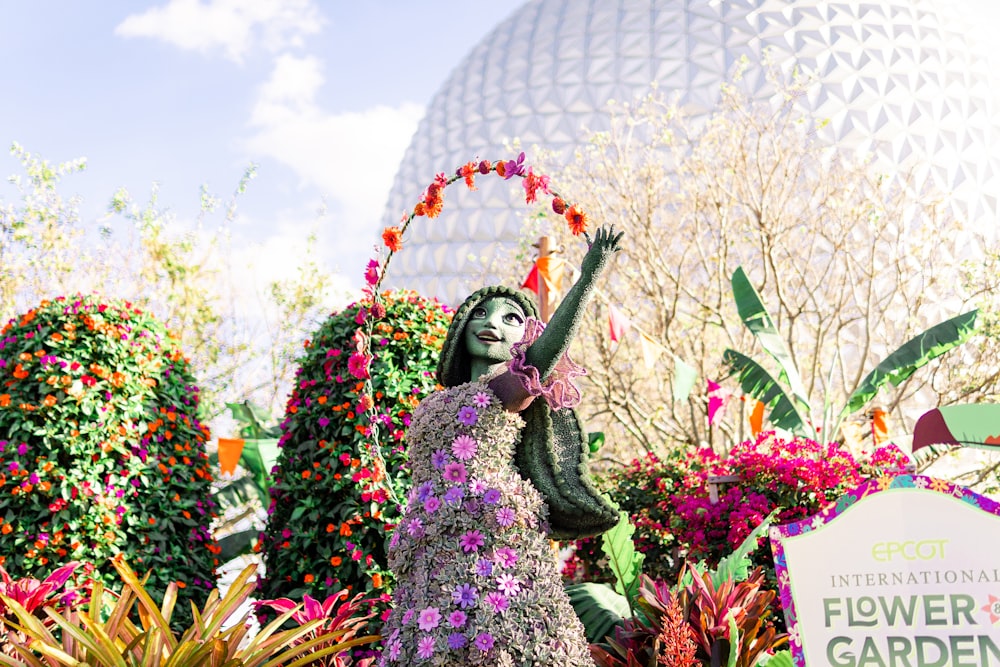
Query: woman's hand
x=604 y=244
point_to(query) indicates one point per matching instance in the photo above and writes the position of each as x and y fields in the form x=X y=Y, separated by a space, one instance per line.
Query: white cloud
x=351 y=157
x=234 y=26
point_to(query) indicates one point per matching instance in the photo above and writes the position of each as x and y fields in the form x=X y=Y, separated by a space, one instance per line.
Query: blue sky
x=323 y=95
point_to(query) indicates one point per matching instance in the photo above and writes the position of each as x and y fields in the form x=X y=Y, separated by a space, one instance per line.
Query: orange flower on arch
x=393 y=239
x=577 y=220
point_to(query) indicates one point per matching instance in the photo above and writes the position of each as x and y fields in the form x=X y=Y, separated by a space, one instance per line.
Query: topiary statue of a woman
x=498 y=467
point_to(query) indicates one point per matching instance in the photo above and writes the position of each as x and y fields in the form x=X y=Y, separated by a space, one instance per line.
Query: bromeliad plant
x=790 y=408
x=331 y=511
x=107 y=631
x=101 y=447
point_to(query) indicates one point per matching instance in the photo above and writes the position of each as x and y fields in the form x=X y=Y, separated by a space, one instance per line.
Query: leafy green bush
x=101 y=450
x=330 y=514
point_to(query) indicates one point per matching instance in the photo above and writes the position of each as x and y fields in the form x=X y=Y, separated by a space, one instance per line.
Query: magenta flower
x=506 y=516
x=464 y=447
x=432 y=505
x=425 y=647
x=372 y=272
x=482 y=399
x=505 y=557
x=455 y=472
x=357 y=365
x=428 y=619
x=471 y=540
x=468 y=416
x=491 y=497
x=457 y=619
x=408 y=616
x=497 y=601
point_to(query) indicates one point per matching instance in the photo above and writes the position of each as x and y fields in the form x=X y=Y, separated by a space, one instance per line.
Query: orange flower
x=308 y=578
x=4 y=400
x=577 y=220
x=50 y=400
x=393 y=239
x=335 y=561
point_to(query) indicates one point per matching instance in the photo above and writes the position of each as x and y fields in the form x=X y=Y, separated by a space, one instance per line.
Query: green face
x=494 y=326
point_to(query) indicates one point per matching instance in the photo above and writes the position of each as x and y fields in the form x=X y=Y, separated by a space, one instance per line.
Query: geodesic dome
x=901 y=79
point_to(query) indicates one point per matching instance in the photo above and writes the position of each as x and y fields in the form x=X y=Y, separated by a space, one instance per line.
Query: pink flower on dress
x=505 y=517
x=464 y=447
x=505 y=557
x=471 y=540
x=457 y=619
x=482 y=400
x=497 y=601
x=509 y=584
x=429 y=619
x=455 y=472
x=484 y=641
x=425 y=647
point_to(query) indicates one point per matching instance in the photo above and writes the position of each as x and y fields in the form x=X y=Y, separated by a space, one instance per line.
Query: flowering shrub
x=669 y=502
x=101 y=450
x=330 y=513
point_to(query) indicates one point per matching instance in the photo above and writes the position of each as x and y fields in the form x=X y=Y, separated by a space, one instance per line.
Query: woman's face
x=494 y=326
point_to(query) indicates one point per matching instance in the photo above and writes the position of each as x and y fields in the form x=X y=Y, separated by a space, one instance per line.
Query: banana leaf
x=624 y=560
x=755 y=317
x=599 y=608
x=258 y=457
x=757 y=382
x=910 y=356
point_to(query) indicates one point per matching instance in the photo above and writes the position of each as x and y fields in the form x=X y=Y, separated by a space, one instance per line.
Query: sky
x=322 y=95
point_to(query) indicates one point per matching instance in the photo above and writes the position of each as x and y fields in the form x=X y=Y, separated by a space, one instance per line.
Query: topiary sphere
x=101 y=450
x=328 y=519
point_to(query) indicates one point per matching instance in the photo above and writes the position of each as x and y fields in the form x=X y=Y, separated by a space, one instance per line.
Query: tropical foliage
x=330 y=512
x=109 y=630
x=101 y=448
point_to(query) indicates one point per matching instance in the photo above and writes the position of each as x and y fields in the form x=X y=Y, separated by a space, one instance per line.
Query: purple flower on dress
x=455 y=472
x=453 y=496
x=484 y=567
x=408 y=616
x=415 y=527
x=509 y=584
x=439 y=458
x=497 y=601
x=481 y=399
x=425 y=647
x=464 y=447
x=506 y=516
x=467 y=415
x=471 y=540
x=424 y=491
x=457 y=619
x=484 y=641
x=465 y=595
x=505 y=557
x=429 y=619
x=431 y=505
x=456 y=640
x=491 y=497
x=394 y=650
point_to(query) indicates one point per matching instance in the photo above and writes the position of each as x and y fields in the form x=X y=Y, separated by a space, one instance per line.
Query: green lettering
x=957 y=652
x=900 y=649
x=931 y=611
x=844 y=659
x=962 y=605
x=897 y=607
x=924 y=659
x=986 y=644
x=870 y=657
x=828 y=611
x=867 y=612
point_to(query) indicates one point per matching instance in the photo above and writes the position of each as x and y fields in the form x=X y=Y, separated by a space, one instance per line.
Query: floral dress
x=477 y=580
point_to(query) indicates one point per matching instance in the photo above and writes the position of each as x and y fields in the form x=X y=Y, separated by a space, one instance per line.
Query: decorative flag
x=531 y=282
x=650 y=350
x=717 y=399
x=684 y=379
x=880 y=432
x=550 y=268
x=618 y=322
x=757 y=418
x=230 y=450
